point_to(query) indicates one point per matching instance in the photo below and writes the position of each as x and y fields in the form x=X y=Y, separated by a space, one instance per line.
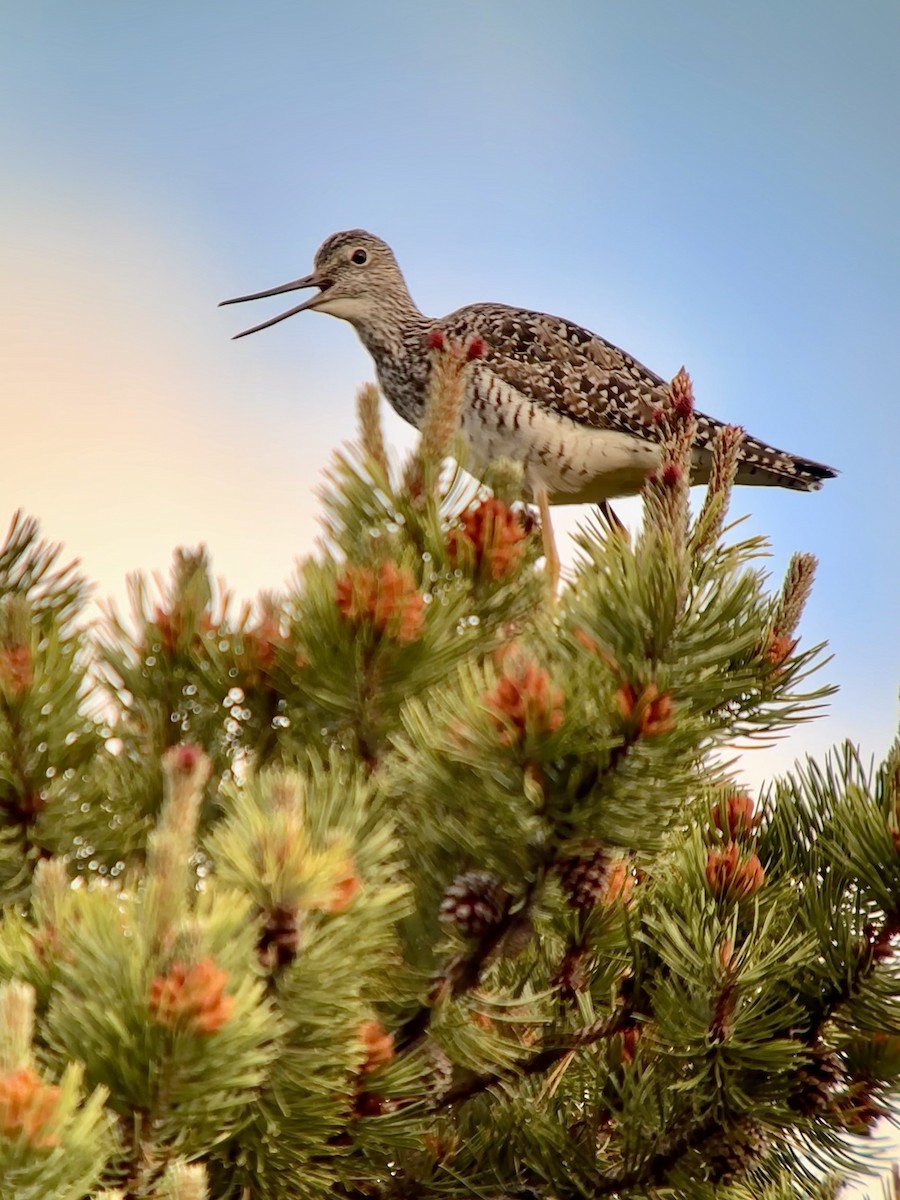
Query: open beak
x=307 y=281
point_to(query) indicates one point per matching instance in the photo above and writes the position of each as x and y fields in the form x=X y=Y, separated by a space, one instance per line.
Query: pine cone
x=474 y=902
x=816 y=1083
x=731 y=1151
x=572 y=975
x=583 y=877
x=280 y=939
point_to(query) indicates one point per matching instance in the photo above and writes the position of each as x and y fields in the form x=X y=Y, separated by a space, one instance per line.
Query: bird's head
x=357 y=277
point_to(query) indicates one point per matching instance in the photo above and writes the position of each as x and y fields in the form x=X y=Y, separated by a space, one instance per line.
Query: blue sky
x=703 y=183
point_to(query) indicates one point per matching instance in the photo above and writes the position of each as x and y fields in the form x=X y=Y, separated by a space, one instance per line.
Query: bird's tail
x=759 y=464
x=764 y=466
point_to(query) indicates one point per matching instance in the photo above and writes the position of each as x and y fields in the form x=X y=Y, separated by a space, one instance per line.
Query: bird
x=578 y=413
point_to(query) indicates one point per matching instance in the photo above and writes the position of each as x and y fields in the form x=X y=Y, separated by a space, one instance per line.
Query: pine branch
x=30 y=570
x=657 y=1169
x=464 y=971
x=541 y=1060
x=877 y=948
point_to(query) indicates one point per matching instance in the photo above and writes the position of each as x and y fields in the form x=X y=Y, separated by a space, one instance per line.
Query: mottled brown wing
x=571 y=370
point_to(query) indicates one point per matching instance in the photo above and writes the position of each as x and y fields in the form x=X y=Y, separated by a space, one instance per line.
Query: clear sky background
x=703 y=182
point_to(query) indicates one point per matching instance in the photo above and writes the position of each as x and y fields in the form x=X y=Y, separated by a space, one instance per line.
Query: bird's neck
x=392 y=327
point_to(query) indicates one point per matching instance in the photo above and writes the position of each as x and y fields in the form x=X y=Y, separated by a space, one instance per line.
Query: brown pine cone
x=474 y=902
x=816 y=1083
x=731 y=1151
x=583 y=876
x=280 y=939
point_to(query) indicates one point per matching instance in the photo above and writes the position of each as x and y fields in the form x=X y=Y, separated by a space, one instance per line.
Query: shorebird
x=575 y=410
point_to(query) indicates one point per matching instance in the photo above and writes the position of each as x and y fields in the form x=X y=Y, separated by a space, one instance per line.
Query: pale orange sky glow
x=121 y=430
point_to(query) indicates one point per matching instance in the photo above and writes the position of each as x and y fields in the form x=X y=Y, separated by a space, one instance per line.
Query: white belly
x=575 y=463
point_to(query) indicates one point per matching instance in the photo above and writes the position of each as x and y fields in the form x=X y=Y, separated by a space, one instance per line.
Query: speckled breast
x=577 y=464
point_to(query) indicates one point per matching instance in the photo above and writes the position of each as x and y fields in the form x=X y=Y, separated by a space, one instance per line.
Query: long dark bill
x=306 y=282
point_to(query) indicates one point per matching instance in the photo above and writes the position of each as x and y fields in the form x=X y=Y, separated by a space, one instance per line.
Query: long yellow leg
x=550 y=552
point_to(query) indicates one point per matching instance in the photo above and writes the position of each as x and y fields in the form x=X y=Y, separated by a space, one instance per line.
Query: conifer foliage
x=416 y=881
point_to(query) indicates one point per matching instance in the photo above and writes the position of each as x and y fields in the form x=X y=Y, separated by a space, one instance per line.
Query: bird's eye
x=359 y=257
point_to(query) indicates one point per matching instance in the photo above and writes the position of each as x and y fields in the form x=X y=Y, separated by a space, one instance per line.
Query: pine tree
x=416 y=881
